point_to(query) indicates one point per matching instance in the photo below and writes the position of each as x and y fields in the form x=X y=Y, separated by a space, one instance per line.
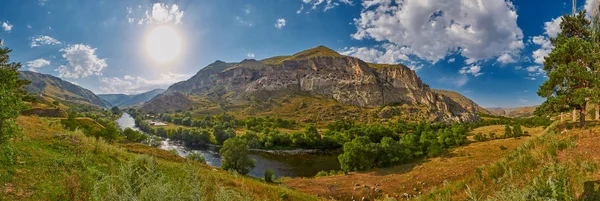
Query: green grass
x=53 y=164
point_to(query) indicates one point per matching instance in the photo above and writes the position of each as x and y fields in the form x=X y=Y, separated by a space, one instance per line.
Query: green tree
x=235 y=156
x=507 y=131
x=517 y=132
x=312 y=135
x=570 y=67
x=116 y=111
x=269 y=175
x=359 y=154
x=11 y=97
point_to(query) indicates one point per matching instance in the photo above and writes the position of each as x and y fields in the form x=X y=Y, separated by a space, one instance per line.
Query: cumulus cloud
x=159 y=13
x=533 y=72
x=133 y=85
x=473 y=70
x=7 y=26
x=451 y=60
x=506 y=58
x=280 y=23
x=81 y=62
x=250 y=55
x=322 y=4
x=433 y=29
x=387 y=54
x=38 y=63
x=43 y=40
x=552 y=27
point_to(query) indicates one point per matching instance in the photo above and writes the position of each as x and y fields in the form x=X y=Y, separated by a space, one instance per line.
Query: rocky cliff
x=320 y=72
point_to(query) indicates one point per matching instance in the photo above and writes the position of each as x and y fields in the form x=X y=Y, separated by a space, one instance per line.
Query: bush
x=503 y=147
x=235 y=156
x=269 y=175
x=322 y=173
x=195 y=156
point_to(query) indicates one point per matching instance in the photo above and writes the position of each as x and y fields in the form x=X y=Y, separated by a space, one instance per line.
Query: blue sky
x=489 y=50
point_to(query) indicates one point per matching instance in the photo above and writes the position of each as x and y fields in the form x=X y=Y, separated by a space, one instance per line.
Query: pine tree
x=570 y=67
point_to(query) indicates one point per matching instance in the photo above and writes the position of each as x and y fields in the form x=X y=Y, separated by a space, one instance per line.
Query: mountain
x=123 y=100
x=58 y=89
x=463 y=101
x=327 y=82
x=513 y=112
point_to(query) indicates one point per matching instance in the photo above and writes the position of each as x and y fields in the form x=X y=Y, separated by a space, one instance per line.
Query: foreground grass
x=50 y=163
x=559 y=165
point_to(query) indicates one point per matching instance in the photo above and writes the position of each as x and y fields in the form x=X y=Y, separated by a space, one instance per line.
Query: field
x=414 y=178
x=54 y=164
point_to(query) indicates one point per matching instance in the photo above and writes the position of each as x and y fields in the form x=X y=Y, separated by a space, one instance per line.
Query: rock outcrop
x=320 y=72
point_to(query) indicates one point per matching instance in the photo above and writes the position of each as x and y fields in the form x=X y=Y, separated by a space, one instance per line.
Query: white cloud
x=553 y=27
x=29 y=26
x=391 y=54
x=134 y=85
x=534 y=71
x=280 y=23
x=473 y=70
x=43 y=40
x=7 y=26
x=456 y=81
x=38 y=63
x=324 y=4
x=159 y=14
x=42 y=2
x=250 y=55
x=506 y=58
x=451 y=60
x=81 y=62
x=433 y=29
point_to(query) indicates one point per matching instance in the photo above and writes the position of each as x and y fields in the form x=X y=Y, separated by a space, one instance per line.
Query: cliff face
x=321 y=72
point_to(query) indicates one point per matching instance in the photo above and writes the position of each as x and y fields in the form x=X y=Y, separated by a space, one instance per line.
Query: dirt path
x=414 y=178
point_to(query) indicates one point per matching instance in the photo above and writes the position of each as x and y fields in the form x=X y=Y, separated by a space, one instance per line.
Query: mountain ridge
x=124 y=100
x=316 y=72
x=61 y=90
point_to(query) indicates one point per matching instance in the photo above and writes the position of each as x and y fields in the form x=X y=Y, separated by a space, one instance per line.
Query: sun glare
x=163 y=44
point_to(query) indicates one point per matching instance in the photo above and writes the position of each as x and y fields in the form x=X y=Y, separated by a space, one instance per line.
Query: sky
x=491 y=51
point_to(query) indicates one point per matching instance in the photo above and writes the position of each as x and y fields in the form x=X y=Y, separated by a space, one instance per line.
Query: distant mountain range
x=315 y=84
x=123 y=100
x=58 y=89
x=516 y=112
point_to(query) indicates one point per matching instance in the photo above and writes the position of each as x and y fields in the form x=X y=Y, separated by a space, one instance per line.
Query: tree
x=235 y=156
x=11 y=97
x=570 y=67
x=507 y=131
x=312 y=135
x=116 y=111
x=517 y=132
x=269 y=175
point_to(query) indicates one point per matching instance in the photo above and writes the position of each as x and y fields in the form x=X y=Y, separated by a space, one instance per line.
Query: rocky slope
x=464 y=102
x=124 y=100
x=317 y=72
x=58 y=89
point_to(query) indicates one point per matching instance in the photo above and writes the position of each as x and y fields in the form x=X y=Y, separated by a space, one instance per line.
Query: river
x=303 y=165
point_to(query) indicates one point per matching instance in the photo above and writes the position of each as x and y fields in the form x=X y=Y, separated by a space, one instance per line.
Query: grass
x=51 y=163
x=553 y=166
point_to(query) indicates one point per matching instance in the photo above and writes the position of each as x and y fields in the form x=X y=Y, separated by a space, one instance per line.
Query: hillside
x=55 y=164
x=58 y=89
x=513 y=112
x=124 y=100
x=463 y=101
x=318 y=73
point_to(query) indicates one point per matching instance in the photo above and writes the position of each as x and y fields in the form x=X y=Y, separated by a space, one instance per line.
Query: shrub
x=322 y=173
x=269 y=175
x=235 y=156
x=503 y=147
x=195 y=156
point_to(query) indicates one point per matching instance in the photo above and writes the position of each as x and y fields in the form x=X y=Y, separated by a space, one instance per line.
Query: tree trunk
x=574 y=115
x=597 y=117
x=562 y=117
x=582 y=114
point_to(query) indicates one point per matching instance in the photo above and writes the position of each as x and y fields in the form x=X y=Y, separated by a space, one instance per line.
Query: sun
x=163 y=44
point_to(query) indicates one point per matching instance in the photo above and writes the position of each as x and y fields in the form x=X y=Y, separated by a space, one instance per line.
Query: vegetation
x=11 y=100
x=195 y=156
x=572 y=67
x=269 y=175
x=235 y=157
